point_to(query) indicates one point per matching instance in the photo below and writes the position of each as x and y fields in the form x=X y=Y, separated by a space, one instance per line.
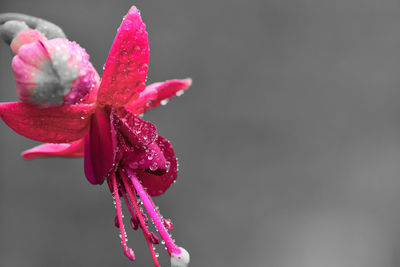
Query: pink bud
x=53 y=72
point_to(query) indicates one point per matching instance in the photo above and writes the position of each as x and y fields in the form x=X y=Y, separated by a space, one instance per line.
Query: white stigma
x=180 y=260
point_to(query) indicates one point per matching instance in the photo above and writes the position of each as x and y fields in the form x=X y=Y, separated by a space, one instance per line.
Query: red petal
x=100 y=148
x=136 y=131
x=152 y=96
x=158 y=184
x=62 y=124
x=126 y=67
x=74 y=150
x=150 y=158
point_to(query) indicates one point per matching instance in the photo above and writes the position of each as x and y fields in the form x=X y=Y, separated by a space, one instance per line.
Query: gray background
x=289 y=140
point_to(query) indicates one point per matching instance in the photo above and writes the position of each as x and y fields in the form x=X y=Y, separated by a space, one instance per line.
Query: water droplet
x=167 y=165
x=180 y=92
x=164 y=102
x=154 y=166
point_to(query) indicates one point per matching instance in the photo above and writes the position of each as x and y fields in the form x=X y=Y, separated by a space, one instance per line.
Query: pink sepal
x=62 y=124
x=100 y=148
x=155 y=93
x=74 y=150
x=126 y=67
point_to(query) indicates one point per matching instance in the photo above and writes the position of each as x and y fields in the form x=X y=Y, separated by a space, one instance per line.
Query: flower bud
x=53 y=72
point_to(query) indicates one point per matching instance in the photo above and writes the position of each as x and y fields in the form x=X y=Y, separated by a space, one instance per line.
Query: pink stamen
x=134 y=220
x=169 y=243
x=128 y=251
x=154 y=239
x=132 y=196
x=116 y=223
x=134 y=224
x=144 y=216
x=168 y=224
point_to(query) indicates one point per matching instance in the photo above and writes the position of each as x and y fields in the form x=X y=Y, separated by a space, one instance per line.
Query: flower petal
x=155 y=93
x=74 y=150
x=158 y=184
x=126 y=67
x=100 y=148
x=149 y=158
x=62 y=124
x=136 y=131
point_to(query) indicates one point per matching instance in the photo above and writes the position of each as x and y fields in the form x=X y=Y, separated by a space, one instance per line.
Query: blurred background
x=288 y=140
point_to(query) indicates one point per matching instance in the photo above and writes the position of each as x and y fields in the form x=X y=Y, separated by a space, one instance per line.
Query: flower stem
x=50 y=30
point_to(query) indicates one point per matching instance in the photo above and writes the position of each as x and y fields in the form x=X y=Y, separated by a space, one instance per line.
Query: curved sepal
x=74 y=150
x=126 y=67
x=62 y=124
x=156 y=93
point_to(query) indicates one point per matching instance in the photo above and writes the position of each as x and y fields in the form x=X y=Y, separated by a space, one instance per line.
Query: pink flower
x=101 y=120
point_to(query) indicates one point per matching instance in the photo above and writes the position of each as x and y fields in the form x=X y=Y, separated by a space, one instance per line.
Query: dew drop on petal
x=180 y=92
x=154 y=166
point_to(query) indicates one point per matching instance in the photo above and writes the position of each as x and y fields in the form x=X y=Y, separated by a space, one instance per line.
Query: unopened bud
x=53 y=72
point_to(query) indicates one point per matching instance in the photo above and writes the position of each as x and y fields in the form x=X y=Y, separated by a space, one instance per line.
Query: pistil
x=169 y=243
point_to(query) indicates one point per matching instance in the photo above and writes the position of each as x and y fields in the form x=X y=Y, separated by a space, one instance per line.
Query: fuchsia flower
x=66 y=105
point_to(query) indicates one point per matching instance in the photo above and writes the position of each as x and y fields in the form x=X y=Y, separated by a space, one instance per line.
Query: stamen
x=134 y=220
x=133 y=199
x=154 y=239
x=128 y=251
x=168 y=224
x=116 y=223
x=134 y=223
x=169 y=243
